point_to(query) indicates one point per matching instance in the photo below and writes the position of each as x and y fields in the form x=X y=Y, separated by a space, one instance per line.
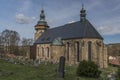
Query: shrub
x=88 y=69
x=118 y=72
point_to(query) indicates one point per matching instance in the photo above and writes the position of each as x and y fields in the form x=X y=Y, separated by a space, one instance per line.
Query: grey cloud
x=109 y=30
x=23 y=19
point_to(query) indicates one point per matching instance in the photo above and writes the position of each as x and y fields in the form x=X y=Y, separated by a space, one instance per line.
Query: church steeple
x=41 y=25
x=82 y=14
x=42 y=19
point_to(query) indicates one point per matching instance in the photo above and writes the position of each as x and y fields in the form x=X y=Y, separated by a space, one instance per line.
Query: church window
x=68 y=48
x=89 y=50
x=48 y=52
x=77 y=51
x=42 y=52
x=38 y=51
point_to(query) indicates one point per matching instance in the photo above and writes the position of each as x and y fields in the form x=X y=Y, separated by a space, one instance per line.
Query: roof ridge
x=64 y=25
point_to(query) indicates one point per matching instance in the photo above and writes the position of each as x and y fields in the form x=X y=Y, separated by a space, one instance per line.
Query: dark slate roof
x=76 y=30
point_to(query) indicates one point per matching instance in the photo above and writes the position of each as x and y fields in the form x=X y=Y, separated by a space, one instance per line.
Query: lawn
x=9 y=71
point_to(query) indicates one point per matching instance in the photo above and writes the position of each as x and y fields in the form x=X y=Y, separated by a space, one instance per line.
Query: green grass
x=10 y=71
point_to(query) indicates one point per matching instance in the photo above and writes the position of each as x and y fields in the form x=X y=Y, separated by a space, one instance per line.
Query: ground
x=9 y=71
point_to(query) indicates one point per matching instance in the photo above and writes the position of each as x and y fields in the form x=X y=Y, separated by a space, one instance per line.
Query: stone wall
x=74 y=50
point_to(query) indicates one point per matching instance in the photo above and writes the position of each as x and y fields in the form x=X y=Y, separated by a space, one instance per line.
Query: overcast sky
x=22 y=15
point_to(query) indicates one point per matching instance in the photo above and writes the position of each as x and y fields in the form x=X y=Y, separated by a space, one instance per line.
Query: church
x=75 y=41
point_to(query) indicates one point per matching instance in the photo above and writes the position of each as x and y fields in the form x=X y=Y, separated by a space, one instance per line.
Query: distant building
x=75 y=41
x=114 y=53
x=113 y=49
x=114 y=60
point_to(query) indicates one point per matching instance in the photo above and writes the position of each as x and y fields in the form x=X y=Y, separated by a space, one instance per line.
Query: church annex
x=75 y=41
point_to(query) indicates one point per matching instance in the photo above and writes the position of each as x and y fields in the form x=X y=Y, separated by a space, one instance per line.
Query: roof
x=76 y=30
x=42 y=19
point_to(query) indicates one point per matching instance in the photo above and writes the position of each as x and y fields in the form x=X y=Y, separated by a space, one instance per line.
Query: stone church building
x=75 y=41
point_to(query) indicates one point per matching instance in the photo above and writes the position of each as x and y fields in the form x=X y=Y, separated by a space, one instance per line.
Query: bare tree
x=10 y=40
x=26 y=43
x=1 y=47
x=5 y=40
x=14 y=40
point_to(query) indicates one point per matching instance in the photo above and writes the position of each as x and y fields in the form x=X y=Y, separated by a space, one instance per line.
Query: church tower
x=41 y=26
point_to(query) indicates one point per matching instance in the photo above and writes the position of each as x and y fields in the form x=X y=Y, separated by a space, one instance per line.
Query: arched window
x=77 y=51
x=89 y=50
x=37 y=51
x=48 y=52
x=68 y=51
x=42 y=51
